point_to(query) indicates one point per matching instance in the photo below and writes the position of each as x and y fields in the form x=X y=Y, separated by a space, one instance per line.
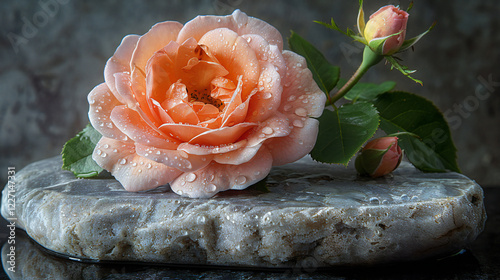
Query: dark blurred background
x=53 y=52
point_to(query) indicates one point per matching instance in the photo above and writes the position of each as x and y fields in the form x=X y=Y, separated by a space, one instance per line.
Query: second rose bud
x=379 y=157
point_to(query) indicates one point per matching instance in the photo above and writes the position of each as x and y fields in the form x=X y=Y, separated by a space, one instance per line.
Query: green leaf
x=366 y=91
x=325 y=74
x=403 y=69
x=77 y=153
x=410 y=42
x=407 y=112
x=342 y=132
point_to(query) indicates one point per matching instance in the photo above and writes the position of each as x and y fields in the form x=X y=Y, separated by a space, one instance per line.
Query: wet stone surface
x=317 y=214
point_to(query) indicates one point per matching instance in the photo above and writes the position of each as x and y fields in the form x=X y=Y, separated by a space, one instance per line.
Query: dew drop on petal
x=134 y=164
x=106 y=146
x=267 y=130
x=190 y=177
x=212 y=177
x=287 y=107
x=149 y=165
x=301 y=112
x=212 y=188
x=298 y=123
x=292 y=98
x=240 y=180
x=104 y=155
x=267 y=95
x=92 y=101
x=123 y=161
x=98 y=152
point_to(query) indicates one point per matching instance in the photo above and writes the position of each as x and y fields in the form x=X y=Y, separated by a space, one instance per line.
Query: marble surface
x=315 y=215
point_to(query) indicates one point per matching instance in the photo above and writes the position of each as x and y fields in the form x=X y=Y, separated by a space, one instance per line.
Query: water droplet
x=292 y=98
x=267 y=130
x=287 y=107
x=134 y=164
x=106 y=146
x=374 y=200
x=249 y=39
x=149 y=165
x=92 y=101
x=123 y=161
x=211 y=178
x=98 y=152
x=267 y=95
x=405 y=197
x=201 y=219
x=301 y=142
x=240 y=180
x=158 y=152
x=301 y=112
x=298 y=123
x=109 y=125
x=190 y=177
x=104 y=155
x=218 y=20
x=115 y=151
x=212 y=188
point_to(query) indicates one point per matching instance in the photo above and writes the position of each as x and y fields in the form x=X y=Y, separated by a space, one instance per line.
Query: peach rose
x=207 y=107
x=385 y=22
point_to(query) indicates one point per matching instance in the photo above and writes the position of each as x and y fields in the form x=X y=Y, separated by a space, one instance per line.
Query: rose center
x=205 y=97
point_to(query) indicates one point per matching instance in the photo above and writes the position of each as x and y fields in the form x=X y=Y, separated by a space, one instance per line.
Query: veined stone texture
x=321 y=214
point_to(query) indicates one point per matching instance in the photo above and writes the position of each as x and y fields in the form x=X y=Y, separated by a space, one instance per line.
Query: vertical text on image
x=11 y=217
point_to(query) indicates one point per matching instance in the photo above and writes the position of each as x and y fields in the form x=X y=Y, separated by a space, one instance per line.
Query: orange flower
x=384 y=23
x=207 y=107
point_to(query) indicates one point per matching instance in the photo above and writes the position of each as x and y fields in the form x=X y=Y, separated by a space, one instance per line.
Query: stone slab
x=317 y=214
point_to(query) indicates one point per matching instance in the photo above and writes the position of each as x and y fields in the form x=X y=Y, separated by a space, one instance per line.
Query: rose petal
x=277 y=126
x=267 y=100
x=174 y=158
x=134 y=172
x=214 y=178
x=156 y=38
x=266 y=53
x=183 y=132
x=180 y=111
x=222 y=136
x=120 y=63
x=235 y=55
x=134 y=126
x=211 y=150
x=301 y=95
x=238 y=22
x=102 y=102
x=295 y=146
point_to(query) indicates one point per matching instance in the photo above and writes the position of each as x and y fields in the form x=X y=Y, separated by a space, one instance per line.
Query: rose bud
x=387 y=21
x=379 y=157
